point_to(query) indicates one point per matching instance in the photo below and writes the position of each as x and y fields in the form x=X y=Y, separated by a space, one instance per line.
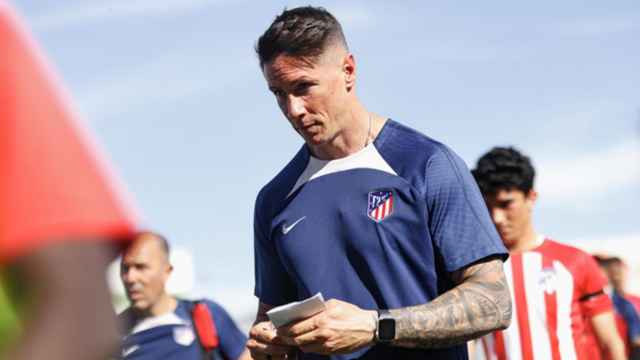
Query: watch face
x=386 y=329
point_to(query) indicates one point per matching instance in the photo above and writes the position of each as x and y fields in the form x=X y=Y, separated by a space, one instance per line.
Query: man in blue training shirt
x=159 y=326
x=614 y=268
x=384 y=221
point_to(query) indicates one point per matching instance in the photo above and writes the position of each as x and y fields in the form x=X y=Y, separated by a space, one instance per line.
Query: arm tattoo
x=479 y=304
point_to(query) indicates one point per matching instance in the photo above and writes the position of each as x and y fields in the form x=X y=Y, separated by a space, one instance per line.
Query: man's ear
x=349 y=71
x=531 y=197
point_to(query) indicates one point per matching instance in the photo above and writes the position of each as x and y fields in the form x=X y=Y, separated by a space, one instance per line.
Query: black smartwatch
x=386 y=330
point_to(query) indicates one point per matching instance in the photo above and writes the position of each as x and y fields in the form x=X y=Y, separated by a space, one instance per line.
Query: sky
x=175 y=96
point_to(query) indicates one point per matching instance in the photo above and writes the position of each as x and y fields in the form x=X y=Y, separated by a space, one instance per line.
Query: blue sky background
x=174 y=93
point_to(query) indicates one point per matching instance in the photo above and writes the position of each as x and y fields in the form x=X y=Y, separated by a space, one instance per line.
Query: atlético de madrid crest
x=380 y=205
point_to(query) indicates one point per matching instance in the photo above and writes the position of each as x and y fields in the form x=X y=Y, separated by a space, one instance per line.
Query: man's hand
x=341 y=328
x=264 y=343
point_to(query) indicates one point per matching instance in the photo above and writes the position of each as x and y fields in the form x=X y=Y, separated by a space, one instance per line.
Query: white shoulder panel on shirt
x=160 y=320
x=367 y=158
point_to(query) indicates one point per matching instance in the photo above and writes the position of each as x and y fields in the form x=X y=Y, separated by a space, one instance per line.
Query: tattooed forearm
x=480 y=304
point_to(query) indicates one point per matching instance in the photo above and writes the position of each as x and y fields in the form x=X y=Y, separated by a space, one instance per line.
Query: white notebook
x=296 y=310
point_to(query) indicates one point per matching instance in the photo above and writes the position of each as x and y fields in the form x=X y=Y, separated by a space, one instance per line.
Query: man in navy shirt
x=614 y=268
x=159 y=326
x=382 y=220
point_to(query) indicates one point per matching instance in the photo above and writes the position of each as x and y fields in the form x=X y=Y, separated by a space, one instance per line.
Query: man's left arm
x=478 y=304
x=472 y=252
x=596 y=305
x=604 y=326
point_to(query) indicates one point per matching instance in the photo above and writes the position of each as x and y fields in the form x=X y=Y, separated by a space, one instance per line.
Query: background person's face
x=616 y=273
x=144 y=271
x=312 y=95
x=511 y=213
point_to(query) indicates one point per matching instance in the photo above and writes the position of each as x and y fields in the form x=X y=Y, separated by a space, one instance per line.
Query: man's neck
x=360 y=129
x=164 y=305
x=527 y=242
x=619 y=291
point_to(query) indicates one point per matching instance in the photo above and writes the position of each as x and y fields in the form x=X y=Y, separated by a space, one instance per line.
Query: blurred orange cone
x=52 y=182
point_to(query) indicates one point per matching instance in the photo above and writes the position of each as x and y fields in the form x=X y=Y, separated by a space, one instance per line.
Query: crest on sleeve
x=380 y=205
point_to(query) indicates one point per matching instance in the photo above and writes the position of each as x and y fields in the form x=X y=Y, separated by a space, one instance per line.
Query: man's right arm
x=263 y=341
x=604 y=327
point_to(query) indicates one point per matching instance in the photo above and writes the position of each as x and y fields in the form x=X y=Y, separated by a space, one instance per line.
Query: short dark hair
x=606 y=261
x=504 y=168
x=302 y=32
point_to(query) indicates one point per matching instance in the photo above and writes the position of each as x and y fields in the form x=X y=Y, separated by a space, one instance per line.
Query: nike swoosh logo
x=128 y=351
x=286 y=229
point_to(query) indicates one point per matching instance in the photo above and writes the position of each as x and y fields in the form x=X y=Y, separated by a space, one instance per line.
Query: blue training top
x=172 y=336
x=628 y=312
x=381 y=229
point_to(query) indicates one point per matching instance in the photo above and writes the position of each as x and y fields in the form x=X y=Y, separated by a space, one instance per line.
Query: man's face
x=144 y=271
x=616 y=272
x=511 y=213
x=313 y=94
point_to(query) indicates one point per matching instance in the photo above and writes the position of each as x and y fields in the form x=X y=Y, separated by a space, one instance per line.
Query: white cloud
x=589 y=112
x=594 y=27
x=150 y=84
x=238 y=301
x=580 y=179
x=354 y=16
x=624 y=246
x=174 y=76
x=94 y=11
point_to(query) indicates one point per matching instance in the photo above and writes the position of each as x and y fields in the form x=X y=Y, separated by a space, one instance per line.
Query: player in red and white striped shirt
x=555 y=288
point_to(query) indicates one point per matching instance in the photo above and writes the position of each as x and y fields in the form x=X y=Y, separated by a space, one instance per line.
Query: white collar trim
x=367 y=158
x=151 y=322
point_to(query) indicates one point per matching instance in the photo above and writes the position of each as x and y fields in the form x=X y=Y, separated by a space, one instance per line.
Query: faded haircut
x=303 y=32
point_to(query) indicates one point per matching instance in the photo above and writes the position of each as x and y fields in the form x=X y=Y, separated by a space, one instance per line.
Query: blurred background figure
x=182 y=282
x=617 y=272
x=548 y=278
x=61 y=220
x=161 y=326
x=626 y=305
